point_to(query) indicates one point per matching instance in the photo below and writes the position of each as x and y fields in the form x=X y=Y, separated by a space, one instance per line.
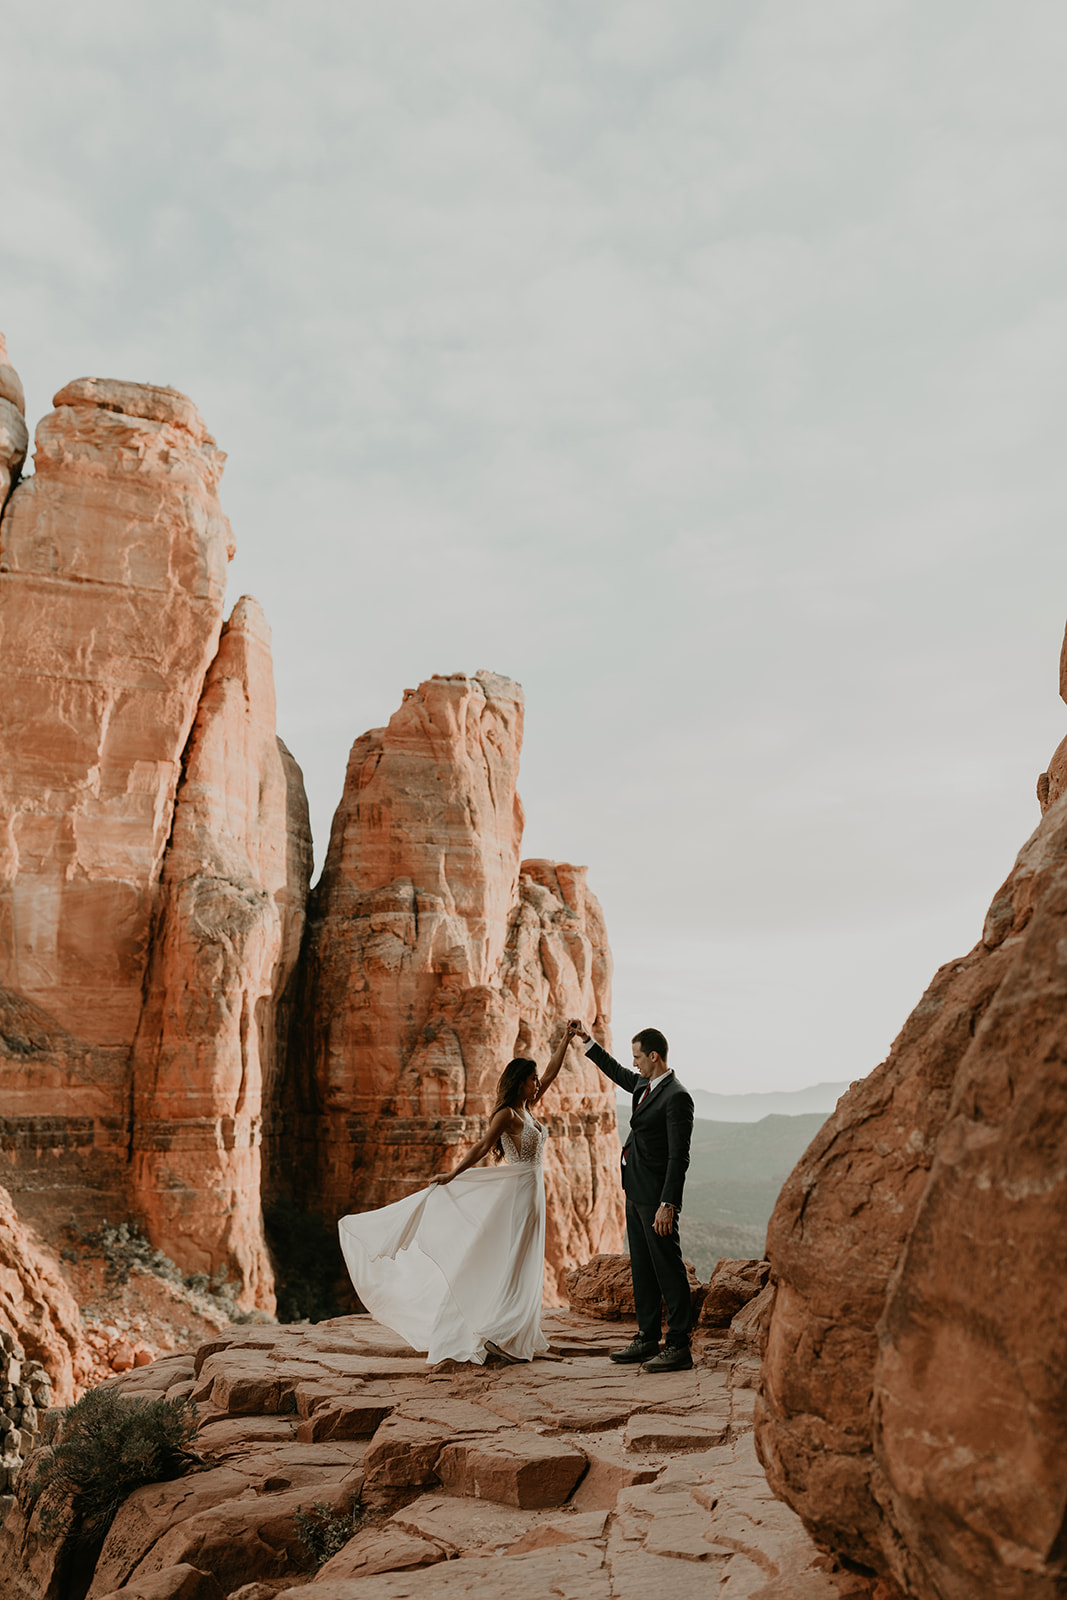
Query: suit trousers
x=659 y=1276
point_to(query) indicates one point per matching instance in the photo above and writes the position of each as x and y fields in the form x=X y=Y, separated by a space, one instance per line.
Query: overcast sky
x=700 y=365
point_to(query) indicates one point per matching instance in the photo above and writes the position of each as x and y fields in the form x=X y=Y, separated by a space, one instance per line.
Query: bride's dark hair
x=511 y=1081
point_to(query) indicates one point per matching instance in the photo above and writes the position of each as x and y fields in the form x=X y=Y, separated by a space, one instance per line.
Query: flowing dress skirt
x=456 y=1264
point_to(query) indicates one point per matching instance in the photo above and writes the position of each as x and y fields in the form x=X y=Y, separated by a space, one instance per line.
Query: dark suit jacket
x=657 y=1151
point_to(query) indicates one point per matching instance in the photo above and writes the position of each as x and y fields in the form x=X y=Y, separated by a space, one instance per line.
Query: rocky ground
x=568 y=1476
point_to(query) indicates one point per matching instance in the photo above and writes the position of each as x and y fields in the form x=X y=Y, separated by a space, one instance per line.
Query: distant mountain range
x=754 y=1107
x=737 y=1167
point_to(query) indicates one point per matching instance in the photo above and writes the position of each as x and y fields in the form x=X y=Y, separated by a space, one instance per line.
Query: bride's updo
x=511 y=1081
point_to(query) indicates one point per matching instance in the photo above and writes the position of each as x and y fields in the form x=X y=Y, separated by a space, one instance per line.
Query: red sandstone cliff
x=914 y=1396
x=225 y=942
x=154 y=865
x=143 y=943
x=433 y=956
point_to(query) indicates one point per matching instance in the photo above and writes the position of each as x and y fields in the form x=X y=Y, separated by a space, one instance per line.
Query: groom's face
x=643 y=1064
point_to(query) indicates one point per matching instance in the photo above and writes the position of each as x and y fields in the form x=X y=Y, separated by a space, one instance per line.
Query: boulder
x=182 y=1582
x=732 y=1285
x=913 y=1405
x=603 y=1287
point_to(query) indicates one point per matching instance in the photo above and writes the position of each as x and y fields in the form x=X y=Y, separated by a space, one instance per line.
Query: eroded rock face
x=113 y=559
x=433 y=957
x=914 y=1397
x=225 y=942
x=144 y=943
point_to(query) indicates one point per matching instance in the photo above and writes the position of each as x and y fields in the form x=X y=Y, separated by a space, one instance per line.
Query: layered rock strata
x=434 y=955
x=914 y=1398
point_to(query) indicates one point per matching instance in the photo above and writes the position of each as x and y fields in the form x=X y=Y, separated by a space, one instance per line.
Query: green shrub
x=323 y=1531
x=109 y=1445
x=124 y=1246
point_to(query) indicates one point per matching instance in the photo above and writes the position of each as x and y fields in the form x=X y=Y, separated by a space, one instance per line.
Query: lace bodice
x=532 y=1143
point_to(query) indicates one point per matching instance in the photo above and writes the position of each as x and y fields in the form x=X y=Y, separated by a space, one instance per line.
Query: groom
x=654 y=1162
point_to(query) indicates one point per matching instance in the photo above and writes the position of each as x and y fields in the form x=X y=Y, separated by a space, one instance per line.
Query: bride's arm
x=500 y=1122
x=548 y=1077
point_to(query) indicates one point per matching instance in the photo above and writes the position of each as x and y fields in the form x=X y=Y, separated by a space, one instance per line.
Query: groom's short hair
x=651 y=1039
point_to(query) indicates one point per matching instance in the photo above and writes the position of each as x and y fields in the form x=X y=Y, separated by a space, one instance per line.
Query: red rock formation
x=225 y=942
x=433 y=956
x=914 y=1399
x=149 y=930
x=112 y=562
x=14 y=440
x=112 y=566
x=603 y=1288
x=139 y=999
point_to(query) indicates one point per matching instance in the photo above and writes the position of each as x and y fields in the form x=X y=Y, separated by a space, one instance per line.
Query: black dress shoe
x=637 y=1350
x=675 y=1358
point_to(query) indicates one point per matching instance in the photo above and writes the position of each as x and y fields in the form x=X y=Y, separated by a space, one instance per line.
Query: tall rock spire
x=433 y=956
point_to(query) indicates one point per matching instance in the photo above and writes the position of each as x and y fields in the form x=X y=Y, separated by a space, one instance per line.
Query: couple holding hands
x=457 y=1269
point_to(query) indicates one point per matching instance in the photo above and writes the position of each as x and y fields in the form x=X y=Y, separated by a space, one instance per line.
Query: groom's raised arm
x=608 y=1065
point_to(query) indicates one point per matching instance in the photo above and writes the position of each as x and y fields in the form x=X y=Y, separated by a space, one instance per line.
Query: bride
x=457 y=1269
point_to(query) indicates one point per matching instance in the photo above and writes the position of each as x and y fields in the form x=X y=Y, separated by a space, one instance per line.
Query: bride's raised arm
x=548 y=1077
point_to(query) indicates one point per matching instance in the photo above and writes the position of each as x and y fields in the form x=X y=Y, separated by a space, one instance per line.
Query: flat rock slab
x=465 y=1527
x=493 y=1481
x=173 y=1583
x=387 y=1549
x=519 y=1469
x=455 y=1416
x=356 y=1418
x=238 y=1435
x=659 y=1430
x=569 y=1572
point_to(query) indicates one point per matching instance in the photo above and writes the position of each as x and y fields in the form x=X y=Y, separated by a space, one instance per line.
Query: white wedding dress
x=459 y=1263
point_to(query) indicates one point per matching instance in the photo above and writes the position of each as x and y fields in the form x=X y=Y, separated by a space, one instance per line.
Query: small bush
x=323 y=1531
x=108 y=1446
x=124 y=1247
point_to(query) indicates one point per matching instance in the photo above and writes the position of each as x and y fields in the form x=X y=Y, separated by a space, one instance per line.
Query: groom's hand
x=663 y=1221
x=578 y=1029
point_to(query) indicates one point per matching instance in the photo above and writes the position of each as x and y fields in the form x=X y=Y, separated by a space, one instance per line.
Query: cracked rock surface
x=569 y=1476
